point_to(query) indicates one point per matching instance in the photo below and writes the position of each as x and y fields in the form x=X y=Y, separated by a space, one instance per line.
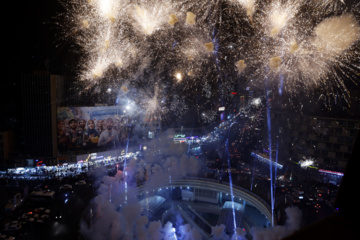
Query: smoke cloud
x=116 y=210
x=292 y=224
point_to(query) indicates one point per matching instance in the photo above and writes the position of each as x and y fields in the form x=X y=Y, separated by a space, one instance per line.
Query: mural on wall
x=86 y=128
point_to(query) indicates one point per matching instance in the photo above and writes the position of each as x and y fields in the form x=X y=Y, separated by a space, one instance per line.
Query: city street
x=54 y=219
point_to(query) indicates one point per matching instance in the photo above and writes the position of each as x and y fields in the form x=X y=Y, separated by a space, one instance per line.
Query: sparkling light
x=306 y=163
x=148 y=18
x=178 y=76
x=309 y=44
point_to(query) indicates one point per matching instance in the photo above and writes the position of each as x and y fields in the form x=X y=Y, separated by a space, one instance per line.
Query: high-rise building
x=329 y=141
x=7 y=144
x=39 y=114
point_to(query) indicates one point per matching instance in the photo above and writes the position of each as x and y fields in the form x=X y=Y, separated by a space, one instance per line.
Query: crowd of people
x=75 y=134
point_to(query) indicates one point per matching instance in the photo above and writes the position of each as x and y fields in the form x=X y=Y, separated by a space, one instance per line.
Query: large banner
x=86 y=128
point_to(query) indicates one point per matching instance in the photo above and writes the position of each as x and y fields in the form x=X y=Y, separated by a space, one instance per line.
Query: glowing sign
x=221 y=109
x=180 y=135
x=179 y=139
x=39 y=163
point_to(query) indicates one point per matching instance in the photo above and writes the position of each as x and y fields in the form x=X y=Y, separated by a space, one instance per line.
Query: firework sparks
x=108 y=9
x=307 y=162
x=144 y=104
x=300 y=40
x=178 y=76
x=190 y=18
x=249 y=5
x=148 y=18
x=278 y=16
x=336 y=34
x=328 y=6
x=240 y=65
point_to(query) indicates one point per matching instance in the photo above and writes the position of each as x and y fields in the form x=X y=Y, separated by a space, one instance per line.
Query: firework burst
x=200 y=51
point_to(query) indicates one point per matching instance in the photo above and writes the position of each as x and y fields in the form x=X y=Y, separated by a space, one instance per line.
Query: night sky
x=30 y=45
x=31 y=38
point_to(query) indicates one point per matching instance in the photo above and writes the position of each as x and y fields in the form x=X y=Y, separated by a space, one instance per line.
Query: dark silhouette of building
x=39 y=112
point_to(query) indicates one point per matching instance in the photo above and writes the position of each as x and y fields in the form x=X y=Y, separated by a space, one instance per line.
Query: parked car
x=81 y=182
x=66 y=187
x=14 y=203
x=6 y=237
x=13 y=185
x=58 y=216
x=12 y=226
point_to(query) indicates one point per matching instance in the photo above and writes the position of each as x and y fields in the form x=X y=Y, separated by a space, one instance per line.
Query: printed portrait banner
x=86 y=128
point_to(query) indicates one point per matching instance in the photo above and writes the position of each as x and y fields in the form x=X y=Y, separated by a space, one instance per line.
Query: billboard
x=92 y=128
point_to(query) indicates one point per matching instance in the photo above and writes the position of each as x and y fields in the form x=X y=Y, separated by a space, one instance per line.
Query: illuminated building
x=328 y=140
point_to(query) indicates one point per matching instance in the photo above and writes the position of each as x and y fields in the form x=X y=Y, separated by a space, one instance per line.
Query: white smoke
x=117 y=211
x=189 y=233
x=154 y=230
x=292 y=224
x=114 y=220
x=218 y=232
x=336 y=34
x=239 y=234
x=141 y=230
x=106 y=224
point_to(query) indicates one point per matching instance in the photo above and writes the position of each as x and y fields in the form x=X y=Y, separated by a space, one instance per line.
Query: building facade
x=328 y=141
x=7 y=145
x=39 y=111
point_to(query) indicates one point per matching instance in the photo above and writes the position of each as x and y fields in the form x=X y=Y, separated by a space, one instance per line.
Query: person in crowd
x=116 y=124
x=91 y=136
x=109 y=137
x=123 y=136
x=100 y=126
x=82 y=125
x=62 y=139
x=75 y=136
